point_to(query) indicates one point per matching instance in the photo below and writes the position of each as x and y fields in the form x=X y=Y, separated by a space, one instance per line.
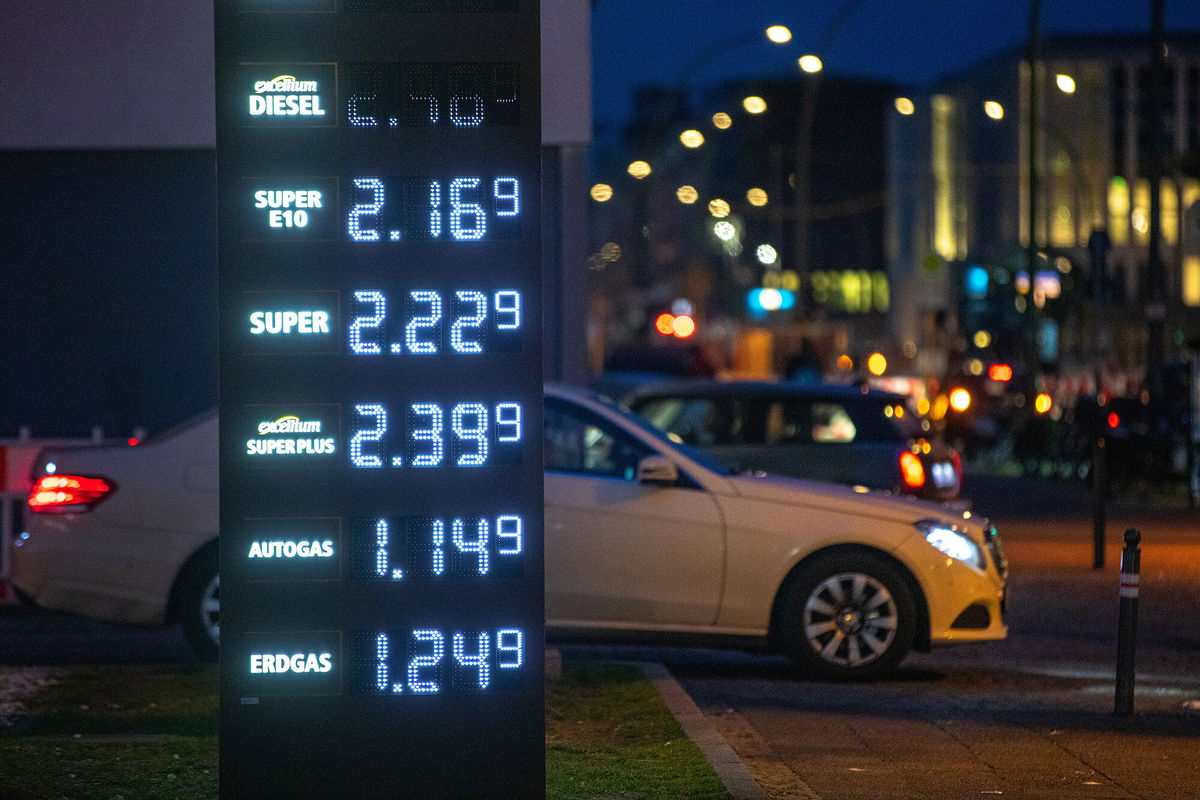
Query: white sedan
x=645 y=537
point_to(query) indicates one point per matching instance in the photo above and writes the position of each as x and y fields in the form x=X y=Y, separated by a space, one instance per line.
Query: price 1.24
x=430 y=661
x=436 y=435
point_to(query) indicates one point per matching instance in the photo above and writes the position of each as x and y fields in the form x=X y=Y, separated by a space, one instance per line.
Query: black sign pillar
x=381 y=476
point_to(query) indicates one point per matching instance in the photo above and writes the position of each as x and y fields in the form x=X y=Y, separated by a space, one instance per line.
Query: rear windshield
x=716 y=420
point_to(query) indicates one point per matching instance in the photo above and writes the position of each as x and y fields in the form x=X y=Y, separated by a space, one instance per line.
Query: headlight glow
x=951 y=542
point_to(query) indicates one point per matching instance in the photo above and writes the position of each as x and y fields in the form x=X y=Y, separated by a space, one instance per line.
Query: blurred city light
x=683 y=326
x=681 y=305
x=1066 y=83
x=809 y=63
x=721 y=120
x=770 y=299
x=975 y=367
x=1001 y=373
x=754 y=104
x=765 y=299
x=602 y=192
x=981 y=339
x=687 y=194
x=905 y=106
x=766 y=254
x=876 y=364
x=977 y=280
x=790 y=279
x=1042 y=403
x=724 y=230
x=692 y=138
x=960 y=399
x=779 y=34
x=845 y=363
x=756 y=197
x=665 y=324
x=718 y=208
x=639 y=169
x=993 y=109
x=1114 y=420
x=923 y=406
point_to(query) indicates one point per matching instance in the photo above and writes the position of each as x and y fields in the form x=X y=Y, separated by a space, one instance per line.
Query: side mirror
x=657 y=469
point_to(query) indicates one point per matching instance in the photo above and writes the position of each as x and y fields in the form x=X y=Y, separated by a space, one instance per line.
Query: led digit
x=478 y=545
x=374 y=434
x=434 y=434
x=508 y=310
x=382 y=673
x=512 y=528
x=510 y=642
x=438 y=541
x=431 y=320
x=479 y=661
x=507 y=189
x=354 y=117
x=360 y=210
x=480 y=301
x=459 y=210
x=435 y=209
x=415 y=683
x=375 y=320
x=476 y=433
x=508 y=422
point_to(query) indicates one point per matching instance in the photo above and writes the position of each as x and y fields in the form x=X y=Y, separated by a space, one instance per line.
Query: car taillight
x=911 y=470
x=68 y=494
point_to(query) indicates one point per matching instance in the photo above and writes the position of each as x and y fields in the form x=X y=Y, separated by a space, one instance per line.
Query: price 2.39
x=462 y=435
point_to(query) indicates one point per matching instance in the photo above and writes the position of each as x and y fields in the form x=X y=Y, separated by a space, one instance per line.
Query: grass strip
x=151 y=732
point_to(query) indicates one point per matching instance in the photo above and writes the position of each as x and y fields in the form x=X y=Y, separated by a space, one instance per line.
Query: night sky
x=912 y=42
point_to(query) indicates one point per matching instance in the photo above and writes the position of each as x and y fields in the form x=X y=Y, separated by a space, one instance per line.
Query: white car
x=644 y=538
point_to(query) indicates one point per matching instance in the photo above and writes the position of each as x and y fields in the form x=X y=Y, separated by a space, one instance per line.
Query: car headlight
x=952 y=542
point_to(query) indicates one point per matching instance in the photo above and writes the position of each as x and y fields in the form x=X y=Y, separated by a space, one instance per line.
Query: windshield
x=699 y=456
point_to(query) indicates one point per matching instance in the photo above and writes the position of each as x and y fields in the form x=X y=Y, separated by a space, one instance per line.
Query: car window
x=583 y=443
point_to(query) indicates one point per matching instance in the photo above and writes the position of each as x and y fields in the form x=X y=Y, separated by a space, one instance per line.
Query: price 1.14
x=437 y=547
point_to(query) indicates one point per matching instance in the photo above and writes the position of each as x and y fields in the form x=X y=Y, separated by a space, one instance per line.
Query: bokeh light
x=683 y=326
x=721 y=120
x=602 y=192
x=993 y=109
x=639 y=169
x=1042 y=403
x=754 y=104
x=718 y=208
x=779 y=34
x=766 y=254
x=905 y=106
x=960 y=400
x=810 y=63
x=756 y=197
x=691 y=138
x=724 y=230
x=876 y=364
x=1065 y=83
x=687 y=194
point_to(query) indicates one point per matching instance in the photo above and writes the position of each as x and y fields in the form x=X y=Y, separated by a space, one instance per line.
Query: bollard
x=1131 y=570
x=1099 y=492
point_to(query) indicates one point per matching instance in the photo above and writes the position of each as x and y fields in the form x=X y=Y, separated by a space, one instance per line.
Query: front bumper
x=965 y=603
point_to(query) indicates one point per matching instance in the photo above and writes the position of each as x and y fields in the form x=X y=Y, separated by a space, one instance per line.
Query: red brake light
x=911 y=470
x=68 y=494
x=1114 y=420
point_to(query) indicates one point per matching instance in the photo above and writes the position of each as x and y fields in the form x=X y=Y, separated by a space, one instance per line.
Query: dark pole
x=1131 y=578
x=1033 y=46
x=1155 y=284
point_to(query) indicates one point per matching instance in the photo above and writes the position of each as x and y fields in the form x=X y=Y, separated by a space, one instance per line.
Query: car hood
x=843 y=499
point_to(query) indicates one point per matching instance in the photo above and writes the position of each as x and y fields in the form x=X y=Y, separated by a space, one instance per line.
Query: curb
x=720 y=756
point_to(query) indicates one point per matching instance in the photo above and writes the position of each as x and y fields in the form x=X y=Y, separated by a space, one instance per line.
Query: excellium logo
x=286 y=96
x=287 y=442
x=290 y=424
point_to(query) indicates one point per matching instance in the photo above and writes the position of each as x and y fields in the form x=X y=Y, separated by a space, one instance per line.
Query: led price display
x=393 y=549
x=428 y=322
x=429 y=661
x=445 y=95
x=435 y=435
x=469 y=208
x=381 y=542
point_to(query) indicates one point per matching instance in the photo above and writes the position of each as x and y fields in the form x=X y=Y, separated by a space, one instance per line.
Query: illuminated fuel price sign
x=381 y=539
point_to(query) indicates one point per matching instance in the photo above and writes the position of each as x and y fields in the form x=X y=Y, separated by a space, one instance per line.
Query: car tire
x=199 y=605
x=848 y=616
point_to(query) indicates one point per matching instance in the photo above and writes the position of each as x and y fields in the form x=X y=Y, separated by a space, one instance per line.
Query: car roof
x=714 y=388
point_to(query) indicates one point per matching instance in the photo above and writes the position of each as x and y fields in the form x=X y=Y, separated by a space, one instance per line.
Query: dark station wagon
x=843 y=434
